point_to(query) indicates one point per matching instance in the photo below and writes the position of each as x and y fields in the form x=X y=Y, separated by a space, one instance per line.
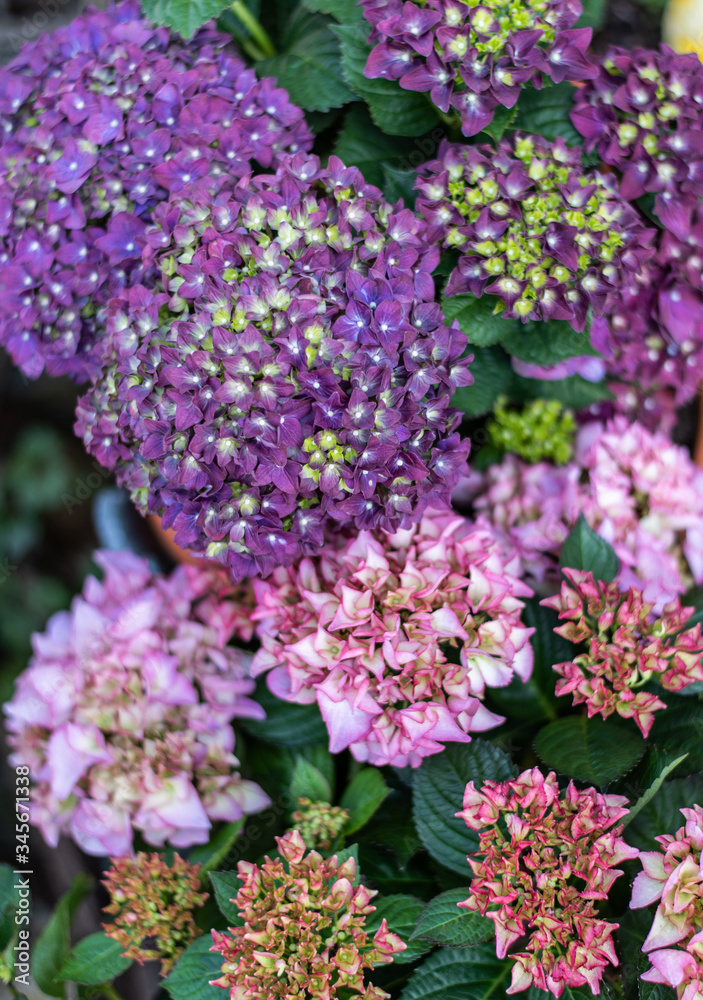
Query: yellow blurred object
x=682 y=27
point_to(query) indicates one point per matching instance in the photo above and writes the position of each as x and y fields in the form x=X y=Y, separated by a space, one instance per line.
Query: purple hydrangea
x=475 y=57
x=547 y=239
x=642 y=113
x=293 y=368
x=99 y=122
x=652 y=342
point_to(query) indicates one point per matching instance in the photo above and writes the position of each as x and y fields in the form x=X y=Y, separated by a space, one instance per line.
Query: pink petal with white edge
x=645 y=890
x=345 y=723
x=674 y=965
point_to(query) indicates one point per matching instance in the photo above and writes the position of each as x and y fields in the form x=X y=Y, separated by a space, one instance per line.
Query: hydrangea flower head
x=474 y=58
x=640 y=491
x=543 y=429
x=303 y=932
x=100 y=121
x=397 y=636
x=152 y=903
x=642 y=113
x=124 y=713
x=674 y=877
x=626 y=646
x=543 y=862
x=319 y=823
x=294 y=369
x=548 y=240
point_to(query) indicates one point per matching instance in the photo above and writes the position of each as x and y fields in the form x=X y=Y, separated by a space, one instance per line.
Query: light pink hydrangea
x=675 y=878
x=544 y=860
x=397 y=636
x=640 y=491
x=123 y=715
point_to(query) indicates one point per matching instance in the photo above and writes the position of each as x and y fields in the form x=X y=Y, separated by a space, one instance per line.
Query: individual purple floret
x=474 y=58
x=100 y=121
x=293 y=368
x=549 y=240
x=642 y=113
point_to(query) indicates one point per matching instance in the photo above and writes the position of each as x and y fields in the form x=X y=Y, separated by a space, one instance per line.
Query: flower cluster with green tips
x=542 y=431
x=319 y=823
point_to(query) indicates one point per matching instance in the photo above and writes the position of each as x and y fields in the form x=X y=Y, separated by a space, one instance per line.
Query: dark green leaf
x=395 y=111
x=189 y=979
x=589 y=749
x=399 y=182
x=226 y=886
x=54 y=943
x=9 y=900
x=503 y=118
x=661 y=814
x=361 y=144
x=94 y=960
x=656 y=785
x=680 y=730
x=546 y=343
x=460 y=974
x=309 y=782
x=443 y=922
x=438 y=793
x=212 y=854
x=656 y=991
x=477 y=319
x=546 y=112
x=346 y=11
x=575 y=392
x=593 y=15
x=286 y=725
x=586 y=550
x=362 y=797
x=310 y=68
x=492 y=372
x=184 y=16
x=401 y=912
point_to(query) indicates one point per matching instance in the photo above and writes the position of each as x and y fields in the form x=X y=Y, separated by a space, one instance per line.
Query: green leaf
x=401 y=912
x=438 y=793
x=189 y=978
x=546 y=112
x=362 y=798
x=54 y=943
x=535 y=699
x=226 y=886
x=9 y=900
x=589 y=749
x=309 y=782
x=492 y=373
x=477 y=319
x=286 y=725
x=399 y=183
x=546 y=343
x=503 y=118
x=94 y=960
x=585 y=549
x=653 y=789
x=361 y=144
x=655 y=991
x=443 y=922
x=395 y=111
x=346 y=11
x=460 y=974
x=680 y=730
x=593 y=15
x=575 y=392
x=310 y=68
x=661 y=814
x=212 y=854
x=184 y=16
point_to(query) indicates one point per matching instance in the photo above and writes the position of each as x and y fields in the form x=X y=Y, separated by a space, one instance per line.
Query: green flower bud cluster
x=542 y=431
x=319 y=823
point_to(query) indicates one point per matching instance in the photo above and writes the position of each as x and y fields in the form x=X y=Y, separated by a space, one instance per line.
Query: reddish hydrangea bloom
x=675 y=878
x=547 y=240
x=627 y=645
x=294 y=368
x=543 y=863
x=475 y=58
x=152 y=903
x=303 y=932
x=397 y=636
x=640 y=491
x=100 y=121
x=642 y=113
x=124 y=713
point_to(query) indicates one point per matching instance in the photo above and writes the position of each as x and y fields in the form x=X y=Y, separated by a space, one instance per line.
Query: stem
x=255 y=29
x=109 y=991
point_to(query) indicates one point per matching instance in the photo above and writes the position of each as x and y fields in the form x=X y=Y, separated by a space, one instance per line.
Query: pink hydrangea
x=397 y=636
x=641 y=492
x=124 y=713
x=626 y=645
x=543 y=863
x=674 y=877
